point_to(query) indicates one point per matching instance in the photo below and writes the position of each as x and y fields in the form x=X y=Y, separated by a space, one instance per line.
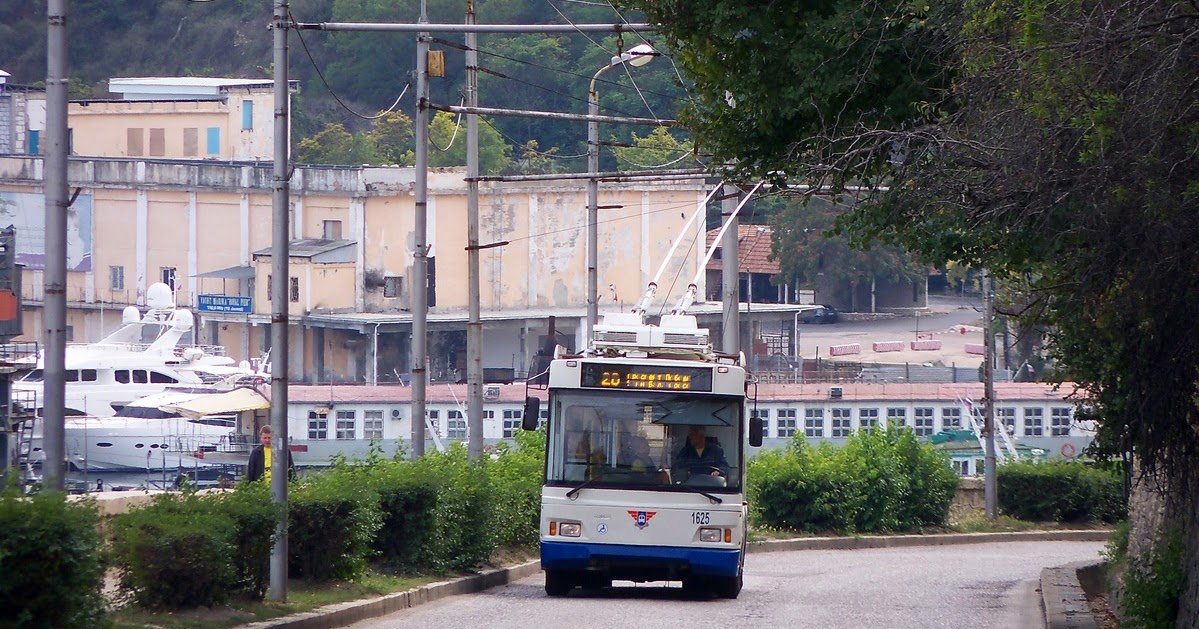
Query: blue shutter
x=34 y=141
x=247 y=114
x=214 y=140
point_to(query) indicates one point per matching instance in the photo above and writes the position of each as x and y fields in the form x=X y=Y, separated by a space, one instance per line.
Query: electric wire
x=457 y=125
x=328 y=88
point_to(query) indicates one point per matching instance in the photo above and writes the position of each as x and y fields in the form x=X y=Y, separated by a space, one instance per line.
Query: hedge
x=1061 y=491
x=51 y=569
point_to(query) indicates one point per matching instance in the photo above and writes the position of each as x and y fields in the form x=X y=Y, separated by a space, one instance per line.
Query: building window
x=764 y=415
x=1059 y=421
x=813 y=422
x=924 y=421
x=455 y=425
x=511 y=422
x=868 y=418
x=318 y=425
x=214 y=141
x=1034 y=422
x=951 y=418
x=332 y=230
x=1006 y=417
x=434 y=421
x=168 y=276
x=786 y=423
x=392 y=286
x=545 y=417
x=270 y=288
x=294 y=290
x=247 y=115
x=345 y=424
x=116 y=277
x=191 y=142
x=135 y=140
x=34 y=146
x=842 y=422
x=158 y=142
x=372 y=424
x=897 y=417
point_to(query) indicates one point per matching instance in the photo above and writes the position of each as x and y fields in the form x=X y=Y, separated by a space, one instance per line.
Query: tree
x=393 y=137
x=335 y=145
x=447 y=140
x=656 y=149
x=1053 y=144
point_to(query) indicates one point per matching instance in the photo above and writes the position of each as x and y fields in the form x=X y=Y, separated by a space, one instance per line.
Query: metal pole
x=990 y=487
x=592 y=210
x=730 y=271
x=281 y=284
x=613 y=175
x=420 y=267
x=423 y=26
x=553 y=115
x=474 y=327
x=54 y=383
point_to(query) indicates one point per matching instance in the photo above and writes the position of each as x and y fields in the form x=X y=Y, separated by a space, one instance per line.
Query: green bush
x=176 y=552
x=51 y=571
x=254 y=517
x=1061 y=491
x=407 y=506
x=332 y=521
x=879 y=481
x=1153 y=585
x=462 y=535
x=516 y=473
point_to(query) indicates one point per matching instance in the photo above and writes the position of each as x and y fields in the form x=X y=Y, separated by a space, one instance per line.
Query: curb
x=946 y=539
x=342 y=614
x=1064 y=600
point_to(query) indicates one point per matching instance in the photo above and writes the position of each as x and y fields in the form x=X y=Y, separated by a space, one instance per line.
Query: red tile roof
x=753 y=248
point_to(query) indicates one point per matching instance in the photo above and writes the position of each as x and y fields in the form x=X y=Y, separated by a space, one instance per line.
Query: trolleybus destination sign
x=662 y=378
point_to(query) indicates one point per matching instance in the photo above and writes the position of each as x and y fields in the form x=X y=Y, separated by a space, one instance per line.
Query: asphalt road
x=977 y=586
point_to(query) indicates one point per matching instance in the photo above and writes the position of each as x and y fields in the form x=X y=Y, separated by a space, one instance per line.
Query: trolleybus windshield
x=626 y=439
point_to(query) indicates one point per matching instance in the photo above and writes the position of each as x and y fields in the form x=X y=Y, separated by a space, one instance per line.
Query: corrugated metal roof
x=753 y=250
x=309 y=247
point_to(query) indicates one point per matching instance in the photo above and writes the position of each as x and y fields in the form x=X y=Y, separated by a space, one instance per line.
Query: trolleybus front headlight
x=709 y=535
x=570 y=529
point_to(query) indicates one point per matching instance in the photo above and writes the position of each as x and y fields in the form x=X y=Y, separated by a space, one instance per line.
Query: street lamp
x=636 y=56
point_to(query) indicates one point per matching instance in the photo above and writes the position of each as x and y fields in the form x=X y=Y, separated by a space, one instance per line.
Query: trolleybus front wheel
x=558 y=582
x=727 y=587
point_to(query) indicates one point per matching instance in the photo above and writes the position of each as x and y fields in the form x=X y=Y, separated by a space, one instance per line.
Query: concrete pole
x=592 y=211
x=730 y=271
x=281 y=284
x=55 y=274
x=420 y=261
x=990 y=487
x=474 y=325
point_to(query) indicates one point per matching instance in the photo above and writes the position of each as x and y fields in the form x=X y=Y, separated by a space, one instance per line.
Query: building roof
x=860 y=392
x=313 y=248
x=181 y=87
x=753 y=249
x=400 y=394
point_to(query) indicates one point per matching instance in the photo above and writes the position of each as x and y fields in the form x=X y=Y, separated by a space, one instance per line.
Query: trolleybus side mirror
x=756 y=426
x=532 y=413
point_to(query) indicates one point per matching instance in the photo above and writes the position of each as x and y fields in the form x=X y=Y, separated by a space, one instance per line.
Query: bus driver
x=700 y=456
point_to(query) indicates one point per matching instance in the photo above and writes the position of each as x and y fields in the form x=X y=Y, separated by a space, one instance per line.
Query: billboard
x=27 y=213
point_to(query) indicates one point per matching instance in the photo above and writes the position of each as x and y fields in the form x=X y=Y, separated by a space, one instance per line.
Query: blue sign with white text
x=225 y=303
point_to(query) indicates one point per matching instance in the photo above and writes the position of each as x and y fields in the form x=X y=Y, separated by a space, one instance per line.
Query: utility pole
x=474 y=325
x=280 y=315
x=989 y=481
x=730 y=271
x=54 y=375
x=420 y=261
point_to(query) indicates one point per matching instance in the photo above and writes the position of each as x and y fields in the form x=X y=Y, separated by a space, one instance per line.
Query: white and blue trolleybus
x=645 y=459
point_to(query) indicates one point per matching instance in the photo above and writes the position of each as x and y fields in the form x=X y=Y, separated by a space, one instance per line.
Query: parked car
x=819 y=314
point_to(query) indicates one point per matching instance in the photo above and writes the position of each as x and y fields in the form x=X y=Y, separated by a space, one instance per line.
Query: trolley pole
x=474 y=325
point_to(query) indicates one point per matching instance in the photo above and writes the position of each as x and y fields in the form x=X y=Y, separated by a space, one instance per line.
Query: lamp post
x=636 y=56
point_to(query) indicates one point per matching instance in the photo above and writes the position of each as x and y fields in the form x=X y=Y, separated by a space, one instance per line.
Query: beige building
x=22 y=117
x=178 y=118
x=205 y=229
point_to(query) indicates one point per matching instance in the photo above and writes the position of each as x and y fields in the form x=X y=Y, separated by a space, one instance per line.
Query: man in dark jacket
x=261 y=458
x=700 y=456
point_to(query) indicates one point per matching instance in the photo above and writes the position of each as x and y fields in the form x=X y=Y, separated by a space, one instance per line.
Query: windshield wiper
x=571 y=494
x=715 y=499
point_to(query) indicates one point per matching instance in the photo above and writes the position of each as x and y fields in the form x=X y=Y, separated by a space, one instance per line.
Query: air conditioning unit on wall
x=834 y=393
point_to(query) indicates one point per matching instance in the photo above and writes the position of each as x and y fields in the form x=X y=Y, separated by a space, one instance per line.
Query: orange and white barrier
x=887 y=346
x=842 y=350
x=926 y=344
x=975 y=348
